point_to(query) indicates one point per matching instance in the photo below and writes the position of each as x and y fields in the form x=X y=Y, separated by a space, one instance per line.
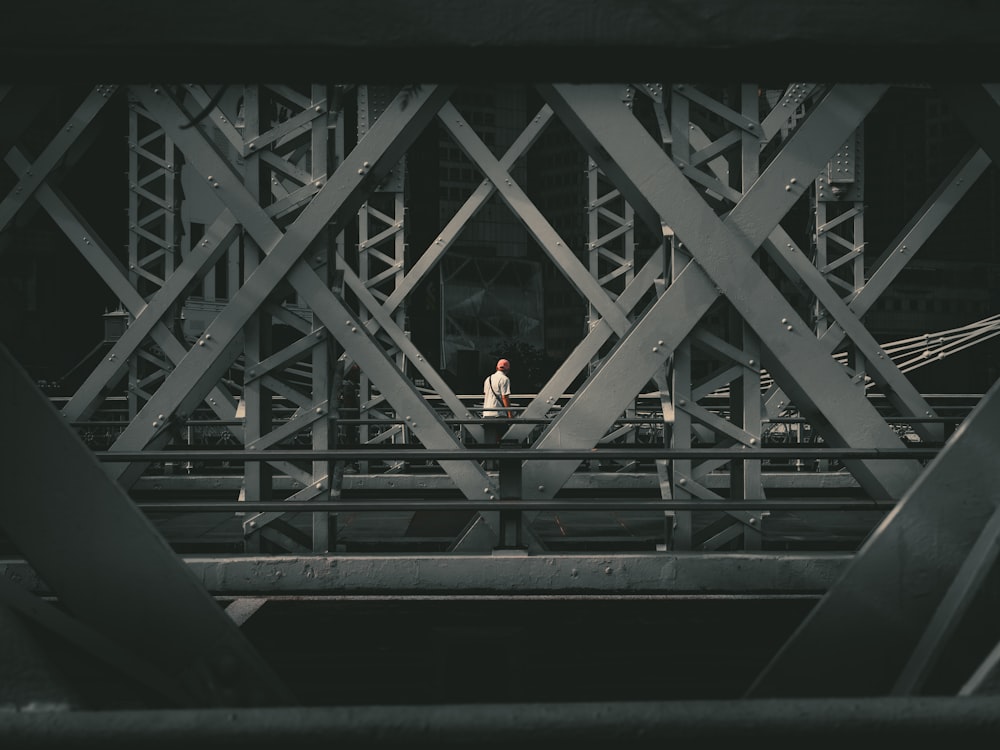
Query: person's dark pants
x=493 y=431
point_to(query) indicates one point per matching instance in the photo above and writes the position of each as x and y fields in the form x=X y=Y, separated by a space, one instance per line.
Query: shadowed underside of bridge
x=727 y=511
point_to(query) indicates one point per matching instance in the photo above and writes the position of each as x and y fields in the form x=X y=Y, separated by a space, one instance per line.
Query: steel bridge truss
x=262 y=166
x=302 y=267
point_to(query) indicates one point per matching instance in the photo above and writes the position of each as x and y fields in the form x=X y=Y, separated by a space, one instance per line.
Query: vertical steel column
x=745 y=476
x=335 y=120
x=665 y=253
x=838 y=234
x=509 y=532
x=153 y=239
x=610 y=248
x=737 y=131
x=381 y=255
x=839 y=209
x=680 y=365
x=257 y=475
x=286 y=146
x=704 y=158
x=324 y=536
x=667 y=411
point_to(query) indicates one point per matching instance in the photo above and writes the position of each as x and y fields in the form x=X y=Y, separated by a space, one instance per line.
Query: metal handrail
x=513 y=453
x=411 y=504
x=492 y=420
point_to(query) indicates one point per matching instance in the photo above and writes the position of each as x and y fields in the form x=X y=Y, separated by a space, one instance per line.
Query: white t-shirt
x=495 y=386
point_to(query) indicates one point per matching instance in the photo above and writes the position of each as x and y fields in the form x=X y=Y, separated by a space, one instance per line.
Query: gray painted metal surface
x=784 y=723
x=612 y=574
x=713 y=260
x=110 y=568
x=905 y=580
x=634 y=158
x=211 y=356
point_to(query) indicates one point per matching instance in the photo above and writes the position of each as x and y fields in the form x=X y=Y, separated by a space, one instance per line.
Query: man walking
x=496 y=402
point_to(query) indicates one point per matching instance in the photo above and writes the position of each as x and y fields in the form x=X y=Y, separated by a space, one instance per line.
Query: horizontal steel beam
x=416 y=483
x=517 y=454
x=632 y=574
x=414 y=504
x=785 y=723
x=651 y=420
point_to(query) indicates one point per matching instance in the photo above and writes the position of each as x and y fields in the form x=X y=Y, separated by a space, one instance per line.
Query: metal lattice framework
x=258 y=161
x=304 y=233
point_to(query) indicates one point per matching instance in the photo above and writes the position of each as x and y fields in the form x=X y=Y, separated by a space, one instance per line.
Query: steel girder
x=599 y=299
x=260 y=226
x=638 y=166
x=154 y=248
x=420 y=417
x=381 y=258
x=283 y=144
x=723 y=249
x=898 y=619
x=617 y=311
x=586 y=725
x=155 y=626
x=728 y=573
x=615 y=306
x=736 y=362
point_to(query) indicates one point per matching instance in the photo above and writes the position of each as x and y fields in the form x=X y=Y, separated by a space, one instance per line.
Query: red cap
x=503 y=364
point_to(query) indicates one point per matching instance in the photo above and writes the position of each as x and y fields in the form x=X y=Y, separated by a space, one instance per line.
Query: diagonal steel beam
x=498 y=175
x=785 y=110
x=342 y=195
x=19 y=106
x=422 y=419
x=584 y=352
x=986 y=679
x=218 y=118
x=935 y=210
x=447 y=236
x=148 y=320
x=108 y=565
x=292 y=353
x=54 y=620
x=360 y=345
x=382 y=319
x=899 y=390
x=518 y=202
x=33 y=176
x=860 y=637
x=102 y=260
x=723 y=251
x=966 y=587
x=904 y=247
x=250 y=214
